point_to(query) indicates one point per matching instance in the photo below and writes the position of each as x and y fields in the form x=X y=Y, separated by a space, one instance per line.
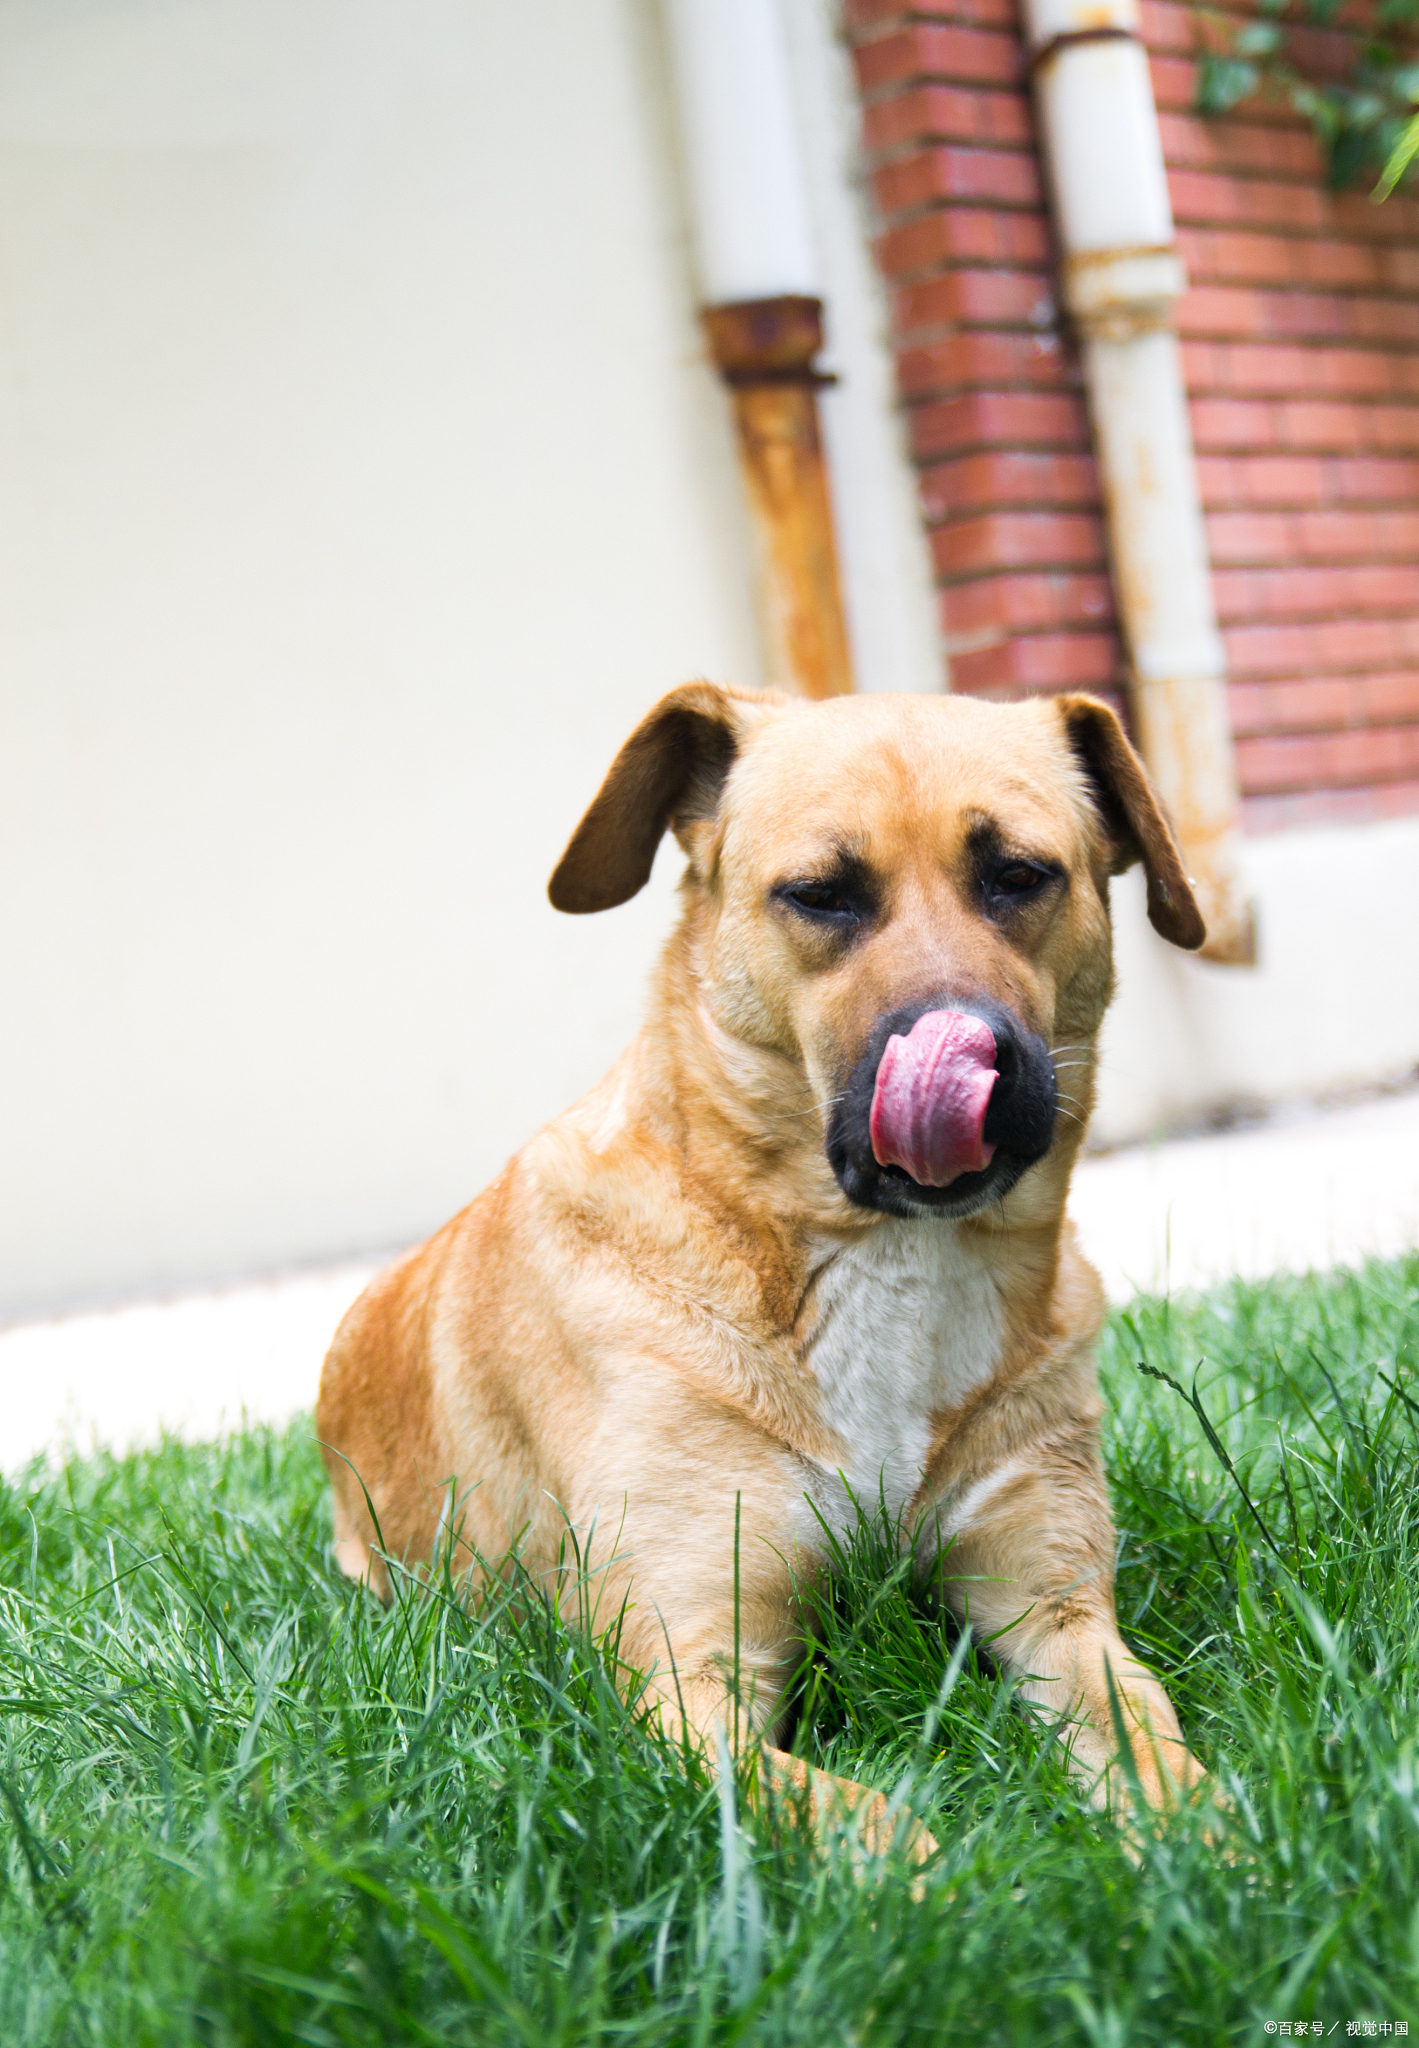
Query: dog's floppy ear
x=668 y=774
x=1132 y=818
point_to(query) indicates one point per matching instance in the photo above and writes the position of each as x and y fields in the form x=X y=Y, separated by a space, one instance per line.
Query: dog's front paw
x=1171 y=1781
x=841 y=1808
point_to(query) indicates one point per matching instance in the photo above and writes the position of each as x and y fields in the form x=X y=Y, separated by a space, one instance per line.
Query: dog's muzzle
x=947 y=1107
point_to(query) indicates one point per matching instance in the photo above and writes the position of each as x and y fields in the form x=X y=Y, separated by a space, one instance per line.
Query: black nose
x=1019 y=1118
x=1021 y=1112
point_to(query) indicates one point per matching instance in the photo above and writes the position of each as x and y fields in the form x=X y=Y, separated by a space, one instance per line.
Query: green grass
x=241 y=1804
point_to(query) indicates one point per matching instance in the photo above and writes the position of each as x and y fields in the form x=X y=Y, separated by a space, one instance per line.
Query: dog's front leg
x=728 y=1697
x=1027 y=1560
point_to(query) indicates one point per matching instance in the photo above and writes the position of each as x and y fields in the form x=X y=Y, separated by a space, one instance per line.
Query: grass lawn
x=241 y=1804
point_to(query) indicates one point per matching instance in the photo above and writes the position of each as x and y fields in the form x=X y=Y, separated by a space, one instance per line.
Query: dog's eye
x=818 y=898
x=1017 y=878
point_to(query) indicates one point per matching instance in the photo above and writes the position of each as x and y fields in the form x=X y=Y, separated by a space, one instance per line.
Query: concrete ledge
x=1333 y=1001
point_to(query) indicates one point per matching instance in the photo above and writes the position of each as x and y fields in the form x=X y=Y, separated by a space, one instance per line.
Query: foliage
x=240 y=1804
x=1365 y=122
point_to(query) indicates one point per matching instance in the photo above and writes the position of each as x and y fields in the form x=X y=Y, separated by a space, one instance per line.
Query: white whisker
x=815 y=1109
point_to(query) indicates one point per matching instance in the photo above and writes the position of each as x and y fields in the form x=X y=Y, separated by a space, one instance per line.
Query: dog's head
x=907 y=896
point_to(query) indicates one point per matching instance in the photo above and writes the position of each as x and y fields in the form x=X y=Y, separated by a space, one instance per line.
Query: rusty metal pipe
x=765 y=350
x=1119 y=277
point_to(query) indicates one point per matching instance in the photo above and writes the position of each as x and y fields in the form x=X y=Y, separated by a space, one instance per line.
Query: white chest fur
x=907 y=1323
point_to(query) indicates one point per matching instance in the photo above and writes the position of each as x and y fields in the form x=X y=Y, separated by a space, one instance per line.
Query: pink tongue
x=928 y=1108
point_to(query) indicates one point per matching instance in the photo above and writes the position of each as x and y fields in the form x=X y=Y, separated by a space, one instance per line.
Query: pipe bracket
x=774 y=340
x=1122 y=291
x=1068 y=39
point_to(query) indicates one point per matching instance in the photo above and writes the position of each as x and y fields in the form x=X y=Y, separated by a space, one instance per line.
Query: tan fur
x=619 y=1336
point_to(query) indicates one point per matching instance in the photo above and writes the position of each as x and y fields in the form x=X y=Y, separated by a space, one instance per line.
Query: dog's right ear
x=669 y=774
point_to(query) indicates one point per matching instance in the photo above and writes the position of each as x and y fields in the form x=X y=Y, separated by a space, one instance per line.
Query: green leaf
x=1222 y=82
x=1403 y=155
x=1258 y=39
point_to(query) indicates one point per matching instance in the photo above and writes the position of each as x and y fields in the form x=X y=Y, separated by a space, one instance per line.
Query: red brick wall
x=1301 y=351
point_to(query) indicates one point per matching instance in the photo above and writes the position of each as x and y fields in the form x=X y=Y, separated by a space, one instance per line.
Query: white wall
x=361 y=482
x=1333 y=1002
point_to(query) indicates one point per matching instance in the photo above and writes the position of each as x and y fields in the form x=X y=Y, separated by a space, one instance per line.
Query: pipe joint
x=767 y=341
x=1116 y=293
x=1070 y=39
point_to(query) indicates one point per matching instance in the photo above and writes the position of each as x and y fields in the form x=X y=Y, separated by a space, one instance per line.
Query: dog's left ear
x=669 y=774
x=1132 y=817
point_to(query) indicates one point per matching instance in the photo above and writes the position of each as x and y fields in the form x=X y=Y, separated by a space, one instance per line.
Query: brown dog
x=806 y=1241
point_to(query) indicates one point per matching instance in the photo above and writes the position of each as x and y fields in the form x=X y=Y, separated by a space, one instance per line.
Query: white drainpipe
x=737 y=123
x=1120 y=275
x=763 y=315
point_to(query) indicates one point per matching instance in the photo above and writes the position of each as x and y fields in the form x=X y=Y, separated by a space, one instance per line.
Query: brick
x=1223 y=313
x=1008 y=477
x=864 y=19
x=1354 y=215
x=1344 y=428
x=1174 y=81
x=1319 y=52
x=1349 y=536
x=1294 y=811
x=991 y=298
x=1375 y=480
x=1392 y=428
x=1166 y=26
x=1031 y=662
x=979 y=361
x=1019 y=540
x=1359 y=373
x=1324 y=703
x=948 y=113
x=1002 y=177
x=1355 y=266
x=1025 y=602
x=1299 y=762
x=1263 y=480
x=1281 y=370
x=1002 y=419
x=1400 y=269
x=1212 y=367
x=1236 y=312
x=1389 y=699
x=1219 y=423
x=1237 y=145
x=1215 y=201
x=1313 y=592
x=962 y=235
x=1250 y=536
x=923 y=51
x=1235 y=257
x=1319 y=425
x=1331 y=644
x=1277 y=707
